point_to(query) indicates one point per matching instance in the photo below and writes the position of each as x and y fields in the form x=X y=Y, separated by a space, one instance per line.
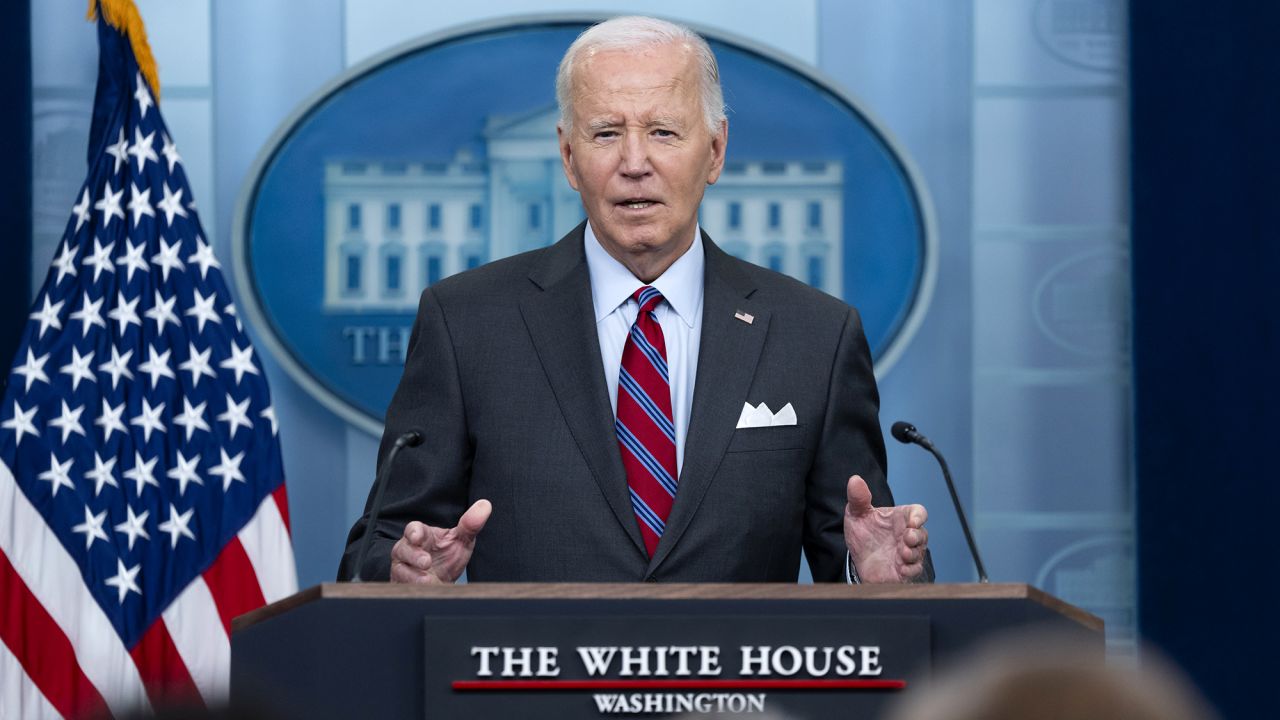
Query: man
x=586 y=400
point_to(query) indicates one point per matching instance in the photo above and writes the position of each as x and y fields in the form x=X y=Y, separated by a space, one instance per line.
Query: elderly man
x=584 y=403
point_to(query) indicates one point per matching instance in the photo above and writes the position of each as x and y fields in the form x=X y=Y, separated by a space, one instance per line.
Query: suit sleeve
x=429 y=483
x=851 y=443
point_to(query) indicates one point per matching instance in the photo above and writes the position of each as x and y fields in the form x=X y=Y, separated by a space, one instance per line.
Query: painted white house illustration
x=393 y=227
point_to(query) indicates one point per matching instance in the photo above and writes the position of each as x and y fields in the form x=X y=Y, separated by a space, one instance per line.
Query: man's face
x=640 y=153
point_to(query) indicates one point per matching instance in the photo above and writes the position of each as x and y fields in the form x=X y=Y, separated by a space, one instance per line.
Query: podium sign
x=492 y=650
x=706 y=661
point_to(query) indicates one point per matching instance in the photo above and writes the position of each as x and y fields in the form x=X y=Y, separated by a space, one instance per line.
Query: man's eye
x=606 y=135
x=663 y=133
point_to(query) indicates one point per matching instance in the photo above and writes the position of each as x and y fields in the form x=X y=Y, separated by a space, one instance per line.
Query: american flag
x=142 y=497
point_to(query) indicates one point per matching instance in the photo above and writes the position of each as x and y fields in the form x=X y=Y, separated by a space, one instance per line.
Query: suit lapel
x=727 y=358
x=561 y=322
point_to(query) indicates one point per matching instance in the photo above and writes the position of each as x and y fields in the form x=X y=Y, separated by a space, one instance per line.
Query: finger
x=913 y=537
x=411 y=556
x=916 y=516
x=473 y=520
x=415 y=533
x=911 y=572
x=909 y=555
x=858 y=496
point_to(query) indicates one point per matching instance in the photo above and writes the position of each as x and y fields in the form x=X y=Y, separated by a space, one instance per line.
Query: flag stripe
x=54 y=581
x=233 y=583
x=282 y=504
x=162 y=669
x=21 y=698
x=198 y=634
x=42 y=650
x=266 y=543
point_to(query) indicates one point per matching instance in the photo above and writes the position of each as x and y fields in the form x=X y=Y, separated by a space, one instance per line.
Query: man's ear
x=566 y=156
x=719 y=142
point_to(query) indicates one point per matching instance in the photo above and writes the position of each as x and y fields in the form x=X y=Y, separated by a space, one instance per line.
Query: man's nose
x=635 y=156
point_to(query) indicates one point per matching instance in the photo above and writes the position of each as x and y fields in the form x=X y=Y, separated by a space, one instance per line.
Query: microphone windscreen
x=902 y=432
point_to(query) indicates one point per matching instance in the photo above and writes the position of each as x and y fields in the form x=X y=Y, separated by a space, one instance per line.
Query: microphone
x=413 y=438
x=906 y=433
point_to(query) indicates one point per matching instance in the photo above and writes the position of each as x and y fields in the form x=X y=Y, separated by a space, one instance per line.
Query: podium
x=593 y=650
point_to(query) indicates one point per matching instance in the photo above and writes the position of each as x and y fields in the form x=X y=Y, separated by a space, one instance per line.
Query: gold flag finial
x=123 y=16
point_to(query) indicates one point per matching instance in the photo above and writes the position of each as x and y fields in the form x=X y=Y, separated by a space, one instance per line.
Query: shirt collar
x=612 y=283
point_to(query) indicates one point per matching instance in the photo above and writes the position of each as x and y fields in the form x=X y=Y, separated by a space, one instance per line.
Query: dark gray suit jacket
x=505 y=380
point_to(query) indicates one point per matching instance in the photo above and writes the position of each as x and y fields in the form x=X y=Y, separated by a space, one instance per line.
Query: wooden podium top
x=673 y=591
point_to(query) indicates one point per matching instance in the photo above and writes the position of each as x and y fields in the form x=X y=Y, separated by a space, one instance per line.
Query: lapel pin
x=747 y=318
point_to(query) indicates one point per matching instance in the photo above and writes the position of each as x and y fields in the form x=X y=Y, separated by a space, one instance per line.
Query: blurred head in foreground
x=1048 y=678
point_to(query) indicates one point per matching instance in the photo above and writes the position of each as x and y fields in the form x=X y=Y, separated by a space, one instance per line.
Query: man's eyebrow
x=602 y=124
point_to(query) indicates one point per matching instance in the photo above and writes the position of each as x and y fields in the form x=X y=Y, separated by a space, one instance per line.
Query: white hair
x=635 y=32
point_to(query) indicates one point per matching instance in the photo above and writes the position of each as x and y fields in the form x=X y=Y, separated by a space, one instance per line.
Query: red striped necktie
x=646 y=432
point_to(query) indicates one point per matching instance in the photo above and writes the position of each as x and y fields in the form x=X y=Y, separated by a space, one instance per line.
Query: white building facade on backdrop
x=393 y=227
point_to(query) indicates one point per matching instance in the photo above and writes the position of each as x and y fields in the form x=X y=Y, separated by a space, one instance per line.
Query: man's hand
x=426 y=554
x=887 y=544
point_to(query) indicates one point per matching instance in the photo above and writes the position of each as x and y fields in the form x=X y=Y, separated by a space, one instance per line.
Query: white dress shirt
x=680 y=316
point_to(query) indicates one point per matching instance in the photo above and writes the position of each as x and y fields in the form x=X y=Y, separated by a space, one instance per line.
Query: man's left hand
x=887 y=544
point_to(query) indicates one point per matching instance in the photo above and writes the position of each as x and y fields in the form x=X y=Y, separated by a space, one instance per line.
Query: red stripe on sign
x=43 y=649
x=233 y=583
x=282 y=502
x=679 y=684
x=162 y=669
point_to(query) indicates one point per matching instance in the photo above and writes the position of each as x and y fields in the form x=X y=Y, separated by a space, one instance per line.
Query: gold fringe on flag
x=123 y=16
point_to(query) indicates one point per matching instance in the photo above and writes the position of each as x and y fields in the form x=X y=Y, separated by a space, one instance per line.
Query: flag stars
x=47 y=316
x=170 y=153
x=92 y=527
x=270 y=416
x=192 y=418
x=58 y=475
x=78 y=368
x=133 y=259
x=171 y=204
x=109 y=204
x=203 y=257
x=185 y=473
x=22 y=422
x=119 y=151
x=65 y=262
x=202 y=309
x=157 y=366
x=81 y=209
x=142 y=96
x=228 y=469
x=241 y=361
x=143 y=148
x=33 y=369
x=167 y=259
x=90 y=313
x=140 y=202
x=134 y=526
x=125 y=580
x=142 y=472
x=177 y=525
x=125 y=312
x=102 y=474
x=149 y=419
x=118 y=365
x=237 y=414
x=110 y=420
x=101 y=258
x=162 y=312
x=69 y=421
x=197 y=364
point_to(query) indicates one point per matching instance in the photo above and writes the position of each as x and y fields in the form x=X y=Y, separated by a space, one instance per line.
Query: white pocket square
x=762 y=416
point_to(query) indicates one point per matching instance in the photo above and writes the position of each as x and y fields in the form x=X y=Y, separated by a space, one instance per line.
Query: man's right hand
x=426 y=554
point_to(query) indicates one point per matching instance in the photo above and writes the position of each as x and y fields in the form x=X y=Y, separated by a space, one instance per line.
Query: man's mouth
x=637 y=203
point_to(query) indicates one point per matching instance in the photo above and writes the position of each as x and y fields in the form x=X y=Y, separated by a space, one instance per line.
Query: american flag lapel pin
x=747 y=318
